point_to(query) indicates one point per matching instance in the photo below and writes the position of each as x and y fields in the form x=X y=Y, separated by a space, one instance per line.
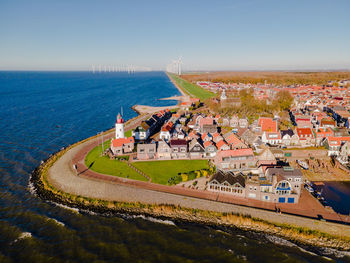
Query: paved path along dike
x=88 y=183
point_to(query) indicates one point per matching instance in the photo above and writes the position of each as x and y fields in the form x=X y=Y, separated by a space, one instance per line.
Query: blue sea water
x=40 y=112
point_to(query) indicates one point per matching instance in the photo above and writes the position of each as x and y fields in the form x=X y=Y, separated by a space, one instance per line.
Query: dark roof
x=150 y=121
x=229 y=177
x=289 y=132
x=144 y=125
x=155 y=117
x=195 y=142
x=178 y=142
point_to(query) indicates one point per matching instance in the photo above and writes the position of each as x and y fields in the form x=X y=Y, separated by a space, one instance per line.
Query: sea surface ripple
x=41 y=112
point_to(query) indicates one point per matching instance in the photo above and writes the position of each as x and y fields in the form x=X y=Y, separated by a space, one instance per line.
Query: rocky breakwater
x=165 y=211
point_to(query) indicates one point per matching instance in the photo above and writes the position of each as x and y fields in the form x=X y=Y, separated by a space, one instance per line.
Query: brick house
x=222 y=145
x=207 y=125
x=178 y=148
x=164 y=150
x=146 y=151
x=306 y=137
x=321 y=133
x=210 y=149
x=267 y=124
x=195 y=149
x=122 y=145
x=233 y=141
x=234 y=160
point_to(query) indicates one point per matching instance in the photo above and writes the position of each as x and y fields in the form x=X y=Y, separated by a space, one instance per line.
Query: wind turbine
x=179 y=63
x=174 y=66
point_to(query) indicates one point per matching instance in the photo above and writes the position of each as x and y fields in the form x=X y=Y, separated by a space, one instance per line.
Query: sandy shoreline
x=173 y=98
x=145 y=109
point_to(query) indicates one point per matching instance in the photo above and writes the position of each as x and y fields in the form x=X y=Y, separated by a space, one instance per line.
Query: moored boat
x=303 y=164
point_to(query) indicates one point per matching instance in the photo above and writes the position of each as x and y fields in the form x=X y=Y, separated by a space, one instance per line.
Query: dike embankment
x=56 y=180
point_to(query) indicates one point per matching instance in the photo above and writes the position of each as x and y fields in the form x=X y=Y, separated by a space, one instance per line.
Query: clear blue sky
x=210 y=35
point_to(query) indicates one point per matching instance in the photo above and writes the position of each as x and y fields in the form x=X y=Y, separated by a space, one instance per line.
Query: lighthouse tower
x=119 y=127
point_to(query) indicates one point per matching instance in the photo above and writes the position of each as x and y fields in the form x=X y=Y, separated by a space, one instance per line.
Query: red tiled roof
x=267 y=124
x=233 y=139
x=337 y=140
x=304 y=131
x=121 y=141
x=220 y=144
x=216 y=134
x=207 y=144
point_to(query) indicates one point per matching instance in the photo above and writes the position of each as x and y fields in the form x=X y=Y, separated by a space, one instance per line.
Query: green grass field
x=128 y=133
x=161 y=171
x=192 y=89
x=104 y=165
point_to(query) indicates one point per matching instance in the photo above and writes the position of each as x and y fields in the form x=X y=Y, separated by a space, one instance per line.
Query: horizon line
x=185 y=71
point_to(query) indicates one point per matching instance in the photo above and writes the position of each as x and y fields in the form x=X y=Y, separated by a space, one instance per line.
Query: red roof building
x=304 y=133
x=267 y=124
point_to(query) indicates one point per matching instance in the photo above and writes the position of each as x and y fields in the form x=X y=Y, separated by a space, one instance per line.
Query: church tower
x=223 y=95
x=119 y=127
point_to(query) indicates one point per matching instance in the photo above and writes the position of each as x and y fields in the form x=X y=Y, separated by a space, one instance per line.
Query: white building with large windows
x=228 y=183
x=277 y=185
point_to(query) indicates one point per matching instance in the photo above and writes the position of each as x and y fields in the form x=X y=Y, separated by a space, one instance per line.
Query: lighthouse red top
x=119 y=119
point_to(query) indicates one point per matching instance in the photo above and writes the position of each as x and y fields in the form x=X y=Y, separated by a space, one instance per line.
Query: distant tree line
x=251 y=107
x=277 y=78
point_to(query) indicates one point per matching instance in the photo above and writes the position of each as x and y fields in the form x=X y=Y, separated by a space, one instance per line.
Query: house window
x=175 y=150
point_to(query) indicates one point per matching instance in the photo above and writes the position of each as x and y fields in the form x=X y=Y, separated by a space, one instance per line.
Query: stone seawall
x=62 y=176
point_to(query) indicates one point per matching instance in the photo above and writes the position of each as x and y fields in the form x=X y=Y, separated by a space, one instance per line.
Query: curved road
x=87 y=183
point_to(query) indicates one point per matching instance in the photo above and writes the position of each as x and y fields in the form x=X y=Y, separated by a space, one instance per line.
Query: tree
x=284 y=99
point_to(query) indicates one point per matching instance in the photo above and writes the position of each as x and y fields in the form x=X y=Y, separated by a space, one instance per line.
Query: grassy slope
x=192 y=89
x=105 y=165
x=161 y=171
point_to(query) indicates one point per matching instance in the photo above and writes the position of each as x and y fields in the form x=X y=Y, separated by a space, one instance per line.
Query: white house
x=272 y=138
x=140 y=133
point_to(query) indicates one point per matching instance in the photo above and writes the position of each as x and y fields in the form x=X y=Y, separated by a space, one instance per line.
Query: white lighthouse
x=119 y=127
